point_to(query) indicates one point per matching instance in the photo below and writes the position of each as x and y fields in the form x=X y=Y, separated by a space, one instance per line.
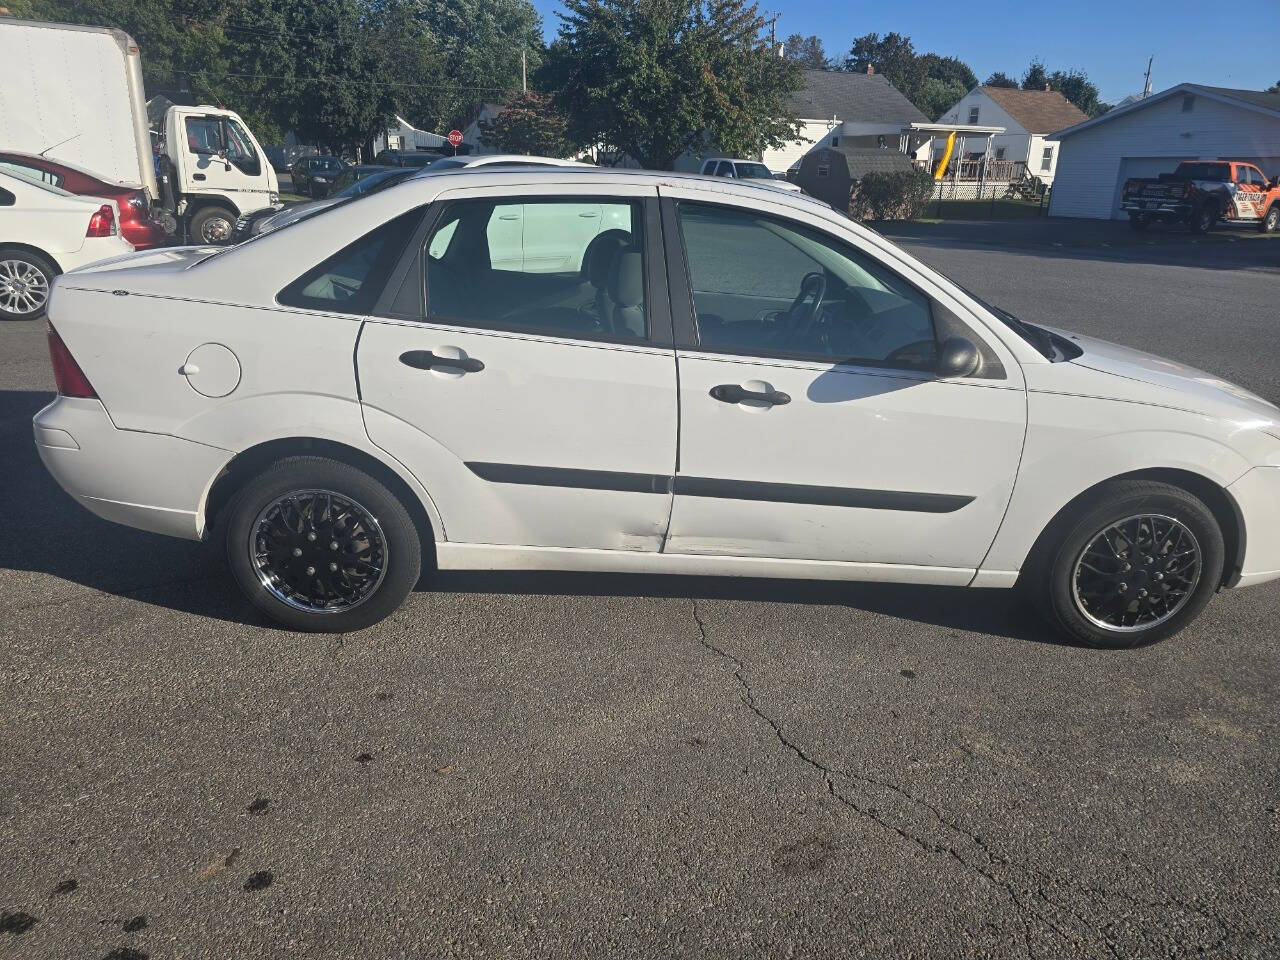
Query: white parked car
x=45 y=231
x=751 y=170
x=730 y=382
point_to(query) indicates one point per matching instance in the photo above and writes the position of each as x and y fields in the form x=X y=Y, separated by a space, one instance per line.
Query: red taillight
x=102 y=223
x=67 y=374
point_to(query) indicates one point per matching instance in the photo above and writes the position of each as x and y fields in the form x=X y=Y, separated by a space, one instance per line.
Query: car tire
x=1271 y=220
x=212 y=225
x=1205 y=217
x=1138 y=221
x=1087 y=592
x=320 y=546
x=25 y=278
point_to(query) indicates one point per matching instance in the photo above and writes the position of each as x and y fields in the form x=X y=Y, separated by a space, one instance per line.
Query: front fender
x=1075 y=443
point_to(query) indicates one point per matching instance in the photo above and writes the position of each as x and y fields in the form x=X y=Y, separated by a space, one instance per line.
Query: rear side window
x=351 y=280
x=33 y=173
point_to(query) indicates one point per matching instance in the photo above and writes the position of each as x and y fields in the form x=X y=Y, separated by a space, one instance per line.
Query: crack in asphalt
x=993 y=859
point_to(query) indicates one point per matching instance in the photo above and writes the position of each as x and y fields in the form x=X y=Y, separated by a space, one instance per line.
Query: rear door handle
x=425 y=360
x=732 y=393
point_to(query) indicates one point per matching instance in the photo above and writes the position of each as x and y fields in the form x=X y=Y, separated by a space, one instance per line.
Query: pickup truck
x=1201 y=193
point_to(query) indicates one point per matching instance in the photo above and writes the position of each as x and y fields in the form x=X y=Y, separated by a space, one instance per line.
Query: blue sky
x=1108 y=41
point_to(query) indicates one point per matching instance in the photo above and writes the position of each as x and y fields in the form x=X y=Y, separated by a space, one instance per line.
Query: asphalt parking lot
x=556 y=766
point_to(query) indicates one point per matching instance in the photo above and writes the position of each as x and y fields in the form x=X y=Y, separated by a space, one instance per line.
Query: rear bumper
x=143 y=234
x=1166 y=208
x=145 y=480
x=1257 y=494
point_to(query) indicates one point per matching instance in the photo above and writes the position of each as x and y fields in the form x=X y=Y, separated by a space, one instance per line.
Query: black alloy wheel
x=1134 y=563
x=319 y=545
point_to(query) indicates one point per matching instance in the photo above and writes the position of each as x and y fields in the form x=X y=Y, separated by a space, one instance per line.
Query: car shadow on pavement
x=995 y=612
x=47 y=532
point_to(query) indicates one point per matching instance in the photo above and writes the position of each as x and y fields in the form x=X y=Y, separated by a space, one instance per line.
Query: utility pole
x=1146 y=86
x=524 y=72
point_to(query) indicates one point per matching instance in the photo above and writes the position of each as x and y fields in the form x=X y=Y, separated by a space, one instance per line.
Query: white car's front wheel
x=24 y=283
x=1135 y=565
x=319 y=545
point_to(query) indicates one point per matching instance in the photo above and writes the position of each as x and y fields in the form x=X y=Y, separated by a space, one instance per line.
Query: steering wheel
x=803 y=309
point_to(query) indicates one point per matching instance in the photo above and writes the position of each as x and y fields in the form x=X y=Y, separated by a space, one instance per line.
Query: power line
x=333 y=78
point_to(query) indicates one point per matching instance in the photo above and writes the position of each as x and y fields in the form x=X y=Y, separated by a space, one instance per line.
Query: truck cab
x=214 y=170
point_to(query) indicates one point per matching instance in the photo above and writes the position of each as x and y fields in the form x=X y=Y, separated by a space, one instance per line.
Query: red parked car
x=136 y=224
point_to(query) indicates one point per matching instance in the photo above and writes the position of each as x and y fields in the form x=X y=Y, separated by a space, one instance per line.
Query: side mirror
x=957 y=357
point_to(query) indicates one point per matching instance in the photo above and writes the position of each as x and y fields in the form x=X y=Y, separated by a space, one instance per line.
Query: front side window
x=204 y=137
x=773 y=288
x=351 y=280
x=572 y=268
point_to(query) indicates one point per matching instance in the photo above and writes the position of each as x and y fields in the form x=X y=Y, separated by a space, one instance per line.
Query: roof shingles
x=1037 y=111
x=859 y=97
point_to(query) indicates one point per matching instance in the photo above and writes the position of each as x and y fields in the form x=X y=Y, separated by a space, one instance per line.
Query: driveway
x=562 y=766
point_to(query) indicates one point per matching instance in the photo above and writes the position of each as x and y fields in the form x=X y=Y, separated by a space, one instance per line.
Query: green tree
x=530 y=124
x=806 y=51
x=1076 y=87
x=1274 y=88
x=999 y=79
x=655 y=78
x=1035 y=77
x=479 y=42
x=930 y=81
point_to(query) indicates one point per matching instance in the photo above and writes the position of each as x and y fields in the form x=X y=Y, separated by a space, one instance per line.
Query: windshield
x=753 y=171
x=372 y=183
x=324 y=165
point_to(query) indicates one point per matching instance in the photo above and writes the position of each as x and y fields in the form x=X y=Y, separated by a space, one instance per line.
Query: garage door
x=1132 y=167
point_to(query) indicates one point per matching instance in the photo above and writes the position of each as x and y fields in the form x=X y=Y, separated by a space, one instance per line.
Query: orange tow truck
x=1203 y=193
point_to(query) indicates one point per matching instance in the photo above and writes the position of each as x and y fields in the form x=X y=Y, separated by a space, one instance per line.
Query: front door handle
x=732 y=393
x=198 y=176
x=425 y=360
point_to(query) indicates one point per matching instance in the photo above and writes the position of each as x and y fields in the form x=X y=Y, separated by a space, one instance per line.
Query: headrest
x=626 y=278
x=598 y=257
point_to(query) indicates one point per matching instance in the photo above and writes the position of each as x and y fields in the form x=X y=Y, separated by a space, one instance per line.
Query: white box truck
x=75 y=94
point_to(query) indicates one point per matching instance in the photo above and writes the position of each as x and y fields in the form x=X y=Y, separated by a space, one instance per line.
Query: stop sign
x=455 y=137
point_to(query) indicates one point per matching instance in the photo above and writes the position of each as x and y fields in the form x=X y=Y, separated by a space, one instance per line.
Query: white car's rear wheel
x=24 y=283
x=319 y=545
x=1135 y=565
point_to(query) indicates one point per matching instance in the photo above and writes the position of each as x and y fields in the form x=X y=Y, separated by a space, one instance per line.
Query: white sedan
x=719 y=381
x=43 y=231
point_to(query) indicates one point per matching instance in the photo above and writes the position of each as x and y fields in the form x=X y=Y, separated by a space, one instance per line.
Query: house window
x=999 y=153
x=1046 y=161
x=973 y=115
x=824 y=170
x=1188 y=103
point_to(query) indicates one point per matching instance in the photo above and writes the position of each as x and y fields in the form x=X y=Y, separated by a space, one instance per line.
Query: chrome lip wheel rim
x=216 y=230
x=318 y=551
x=1137 y=573
x=23 y=288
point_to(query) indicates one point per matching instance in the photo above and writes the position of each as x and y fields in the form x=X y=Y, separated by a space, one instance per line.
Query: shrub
x=890 y=196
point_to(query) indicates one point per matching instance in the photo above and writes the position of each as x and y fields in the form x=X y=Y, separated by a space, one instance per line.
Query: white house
x=835 y=109
x=1151 y=136
x=405 y=136
x=1029 y=118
